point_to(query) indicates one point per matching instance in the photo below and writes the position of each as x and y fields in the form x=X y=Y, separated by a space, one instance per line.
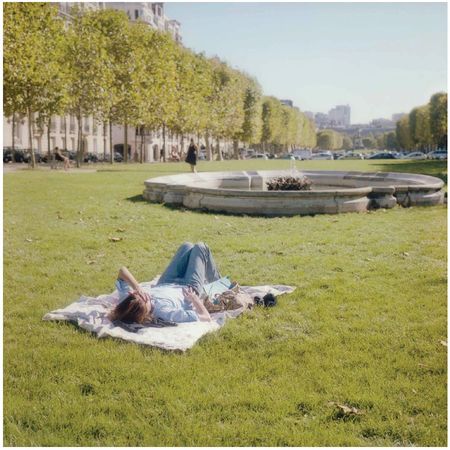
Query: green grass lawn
x=363 y=328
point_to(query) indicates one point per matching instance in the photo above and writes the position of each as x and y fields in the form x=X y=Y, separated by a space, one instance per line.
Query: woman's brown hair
x=130 y=310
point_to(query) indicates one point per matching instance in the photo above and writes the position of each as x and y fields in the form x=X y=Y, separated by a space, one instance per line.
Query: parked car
x=259 y=156
x=382 y=155
x=352 y=155
x=118 y=157
x=302 y=154
x=322 y=155
x=287 y=156
x=438 y=154
x=415 y=155
x=17 y=156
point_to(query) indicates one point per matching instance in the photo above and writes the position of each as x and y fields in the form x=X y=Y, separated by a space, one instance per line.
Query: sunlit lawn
x=364 y=328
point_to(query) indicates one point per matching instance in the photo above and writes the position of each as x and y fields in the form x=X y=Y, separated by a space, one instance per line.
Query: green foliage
x=438 y=119
x=33 y=68
x=426 y=126
x=329 y=140
x=347 y=142
x=370 y=142
x=194 y=86
x=252 y=124
x=419 y=125
x=403 y=134
x=363 y=327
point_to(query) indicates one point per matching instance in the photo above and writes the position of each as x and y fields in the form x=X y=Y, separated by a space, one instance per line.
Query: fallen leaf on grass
x=91 y=262
x=405 y=254
x=29 y=240
x=346 y=410
x=120 y=230
x=115 y=239
x=424 y=365
x=444 y=343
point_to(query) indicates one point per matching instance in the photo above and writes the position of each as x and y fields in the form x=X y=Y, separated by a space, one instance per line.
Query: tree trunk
x=30 y=138
x=51 y=155
x=111 y=150
x=105 y=139
x=135 y=153
x=141 y=159
x=65 y=133
x=79 y=136
x=218 y=150
x=236 y=148
x=208 y=148
x=125 y=143
x=13 y=133
x=164 y=142
x=182 y=145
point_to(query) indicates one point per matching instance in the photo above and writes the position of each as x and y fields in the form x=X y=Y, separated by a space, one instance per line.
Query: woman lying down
x=176 y=297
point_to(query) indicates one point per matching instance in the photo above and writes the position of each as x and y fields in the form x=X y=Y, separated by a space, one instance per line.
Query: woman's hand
x=141 y=295
x=199 y=307
x=190 y=295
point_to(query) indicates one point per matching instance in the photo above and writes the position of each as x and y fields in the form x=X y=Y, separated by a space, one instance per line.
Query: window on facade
x=52 y=142
x=136 y=14
x=95 y=145
x=86 y=126
x=53 y=124
x=64 y=143
x=94 y=127
x=72 y=142
x=72 y=124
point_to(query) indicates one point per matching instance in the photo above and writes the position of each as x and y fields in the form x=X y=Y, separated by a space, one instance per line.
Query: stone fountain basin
x=245 y=192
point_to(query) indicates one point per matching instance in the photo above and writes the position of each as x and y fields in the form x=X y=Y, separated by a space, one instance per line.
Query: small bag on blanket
x=233 y=298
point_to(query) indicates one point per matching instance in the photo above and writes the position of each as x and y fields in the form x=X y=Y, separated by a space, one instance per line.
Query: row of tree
x=103 y=65
x=425 y=127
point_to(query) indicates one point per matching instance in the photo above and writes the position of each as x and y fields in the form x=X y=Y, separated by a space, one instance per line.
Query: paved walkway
x=15 y=167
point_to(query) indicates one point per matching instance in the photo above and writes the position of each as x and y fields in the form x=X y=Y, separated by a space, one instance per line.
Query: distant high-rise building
x=322 y=120
x=382 y=123
x=287 y=103
x=397 y=117
x=339 y=116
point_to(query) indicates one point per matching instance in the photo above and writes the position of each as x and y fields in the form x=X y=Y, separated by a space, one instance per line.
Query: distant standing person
x=191 y=157
x=60 y=157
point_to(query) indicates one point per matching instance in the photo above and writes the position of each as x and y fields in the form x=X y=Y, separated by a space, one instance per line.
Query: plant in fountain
x=289 y=184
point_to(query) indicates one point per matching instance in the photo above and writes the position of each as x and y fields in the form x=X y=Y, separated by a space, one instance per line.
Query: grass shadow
x=143 y=348
x=433 y=168
x=136 y=199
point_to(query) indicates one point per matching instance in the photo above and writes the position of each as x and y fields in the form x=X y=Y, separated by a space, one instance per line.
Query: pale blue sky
x=380 y=58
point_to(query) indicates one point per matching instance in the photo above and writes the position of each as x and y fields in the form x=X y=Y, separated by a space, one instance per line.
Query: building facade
x=150 y=13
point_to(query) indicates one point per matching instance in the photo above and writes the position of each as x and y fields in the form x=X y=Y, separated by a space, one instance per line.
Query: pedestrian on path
x=191 y=157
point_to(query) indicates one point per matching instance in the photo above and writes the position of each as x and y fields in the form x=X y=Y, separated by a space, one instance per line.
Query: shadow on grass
x=144 y=348
x=433 y=168
x=136 y=199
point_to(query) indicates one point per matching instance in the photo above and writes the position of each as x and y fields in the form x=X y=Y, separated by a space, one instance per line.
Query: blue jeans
x=192 y=265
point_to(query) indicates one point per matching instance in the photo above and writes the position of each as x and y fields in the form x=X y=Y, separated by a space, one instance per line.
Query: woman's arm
x=127 y=276
x=197 y=304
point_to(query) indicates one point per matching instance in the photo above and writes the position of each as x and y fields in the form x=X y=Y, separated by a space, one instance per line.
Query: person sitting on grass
x=60 y=157
x=176 y=297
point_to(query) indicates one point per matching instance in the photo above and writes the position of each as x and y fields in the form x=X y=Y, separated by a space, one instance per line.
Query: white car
x=416 y=155
x=352 y=156
x=438 y=154
x=322 y=155
x=259 y=156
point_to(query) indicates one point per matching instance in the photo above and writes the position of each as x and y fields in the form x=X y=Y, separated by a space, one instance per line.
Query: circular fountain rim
x=360 y=191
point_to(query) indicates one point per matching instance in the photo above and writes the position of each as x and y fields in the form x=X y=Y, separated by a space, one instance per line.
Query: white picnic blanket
x=91 y=314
